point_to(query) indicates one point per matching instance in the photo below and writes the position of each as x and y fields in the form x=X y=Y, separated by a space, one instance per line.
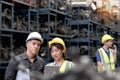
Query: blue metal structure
x=82 y=22
x=46 y=19
x=10 y=34
x=5 y=38
x=52 y=16
x=81 y=19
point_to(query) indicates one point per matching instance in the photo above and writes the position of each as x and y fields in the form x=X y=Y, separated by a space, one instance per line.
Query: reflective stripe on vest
x=108 y=63
x=65 y=66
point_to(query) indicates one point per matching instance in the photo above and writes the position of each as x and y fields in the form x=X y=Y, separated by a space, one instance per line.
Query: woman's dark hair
x=59 y=46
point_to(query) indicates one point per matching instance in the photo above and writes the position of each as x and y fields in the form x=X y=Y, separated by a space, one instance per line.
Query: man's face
x=109 y=43
x=33 y=46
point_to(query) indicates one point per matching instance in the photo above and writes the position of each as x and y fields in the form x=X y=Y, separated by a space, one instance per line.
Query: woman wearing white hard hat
x=106 y=57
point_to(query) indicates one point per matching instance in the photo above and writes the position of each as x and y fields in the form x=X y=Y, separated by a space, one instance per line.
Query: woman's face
x=56 y=53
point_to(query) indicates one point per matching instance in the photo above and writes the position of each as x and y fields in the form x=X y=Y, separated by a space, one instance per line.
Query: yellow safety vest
x=65 y=66
x=108 y=63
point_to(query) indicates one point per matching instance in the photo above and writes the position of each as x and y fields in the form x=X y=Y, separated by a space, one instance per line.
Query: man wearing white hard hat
x=22 y=65
x=106 y=56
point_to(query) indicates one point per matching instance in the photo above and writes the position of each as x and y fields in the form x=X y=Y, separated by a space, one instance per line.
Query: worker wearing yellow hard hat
x=57 y=51
x=106 y=37
x=106 y=56
x=57 y=40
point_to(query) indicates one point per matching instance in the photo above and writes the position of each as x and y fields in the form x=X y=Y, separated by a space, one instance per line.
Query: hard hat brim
x=51 y=42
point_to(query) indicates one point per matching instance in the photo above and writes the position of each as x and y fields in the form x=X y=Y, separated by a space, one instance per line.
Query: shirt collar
x=105 y=50
x=26 y=57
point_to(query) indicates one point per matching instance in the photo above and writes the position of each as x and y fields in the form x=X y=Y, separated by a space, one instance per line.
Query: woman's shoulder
x=69 y=62
x=49 y=64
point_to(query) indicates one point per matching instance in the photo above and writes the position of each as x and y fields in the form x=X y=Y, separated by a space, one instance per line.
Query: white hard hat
x=34 y=35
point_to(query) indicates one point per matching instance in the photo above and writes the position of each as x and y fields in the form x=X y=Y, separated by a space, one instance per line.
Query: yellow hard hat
x=106 y=37
x=57 y=40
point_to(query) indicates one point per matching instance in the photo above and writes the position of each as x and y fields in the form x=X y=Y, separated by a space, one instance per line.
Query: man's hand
x=100 y=66
x=115 y=53
x=115 y=49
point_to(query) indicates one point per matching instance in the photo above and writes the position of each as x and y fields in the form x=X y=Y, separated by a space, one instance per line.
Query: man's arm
x=99 y=64
x=11 y=70
x=100 y=68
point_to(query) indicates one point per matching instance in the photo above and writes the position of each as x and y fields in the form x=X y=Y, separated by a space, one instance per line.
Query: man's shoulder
x=17 y=56
x=100 y=48
x=40 y=58
x=22 y=55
